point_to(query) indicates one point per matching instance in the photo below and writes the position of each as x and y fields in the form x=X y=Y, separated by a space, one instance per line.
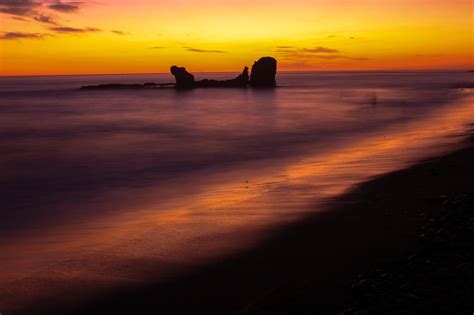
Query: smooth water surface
x=106 y=188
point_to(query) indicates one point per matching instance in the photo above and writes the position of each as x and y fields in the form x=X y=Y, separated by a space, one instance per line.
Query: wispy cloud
x=205 y=50
x=19 y=35
x=298 y=54
x=67 y=7
x=320 y=49
x=285 y=50
x=119 y=32
x=47 y=19
x=310 y=56
x=19 y=18
x=39 y=11
x=19 y=7
x=313 y=50
x=157 y=47
x=66 y=29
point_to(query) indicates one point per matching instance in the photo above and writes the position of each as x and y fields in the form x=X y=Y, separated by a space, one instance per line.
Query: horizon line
x=216 y=72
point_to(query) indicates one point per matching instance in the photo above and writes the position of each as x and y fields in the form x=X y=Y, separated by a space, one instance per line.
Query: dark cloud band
x=19 y=35
x=67 y=7
x=19 y=7
x=66 y=29
x=205 y=50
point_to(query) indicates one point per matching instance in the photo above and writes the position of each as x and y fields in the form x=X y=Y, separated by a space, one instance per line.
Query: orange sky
x=144 y=36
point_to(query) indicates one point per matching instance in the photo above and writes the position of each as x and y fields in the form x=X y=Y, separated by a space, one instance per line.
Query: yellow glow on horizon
x=209 y=35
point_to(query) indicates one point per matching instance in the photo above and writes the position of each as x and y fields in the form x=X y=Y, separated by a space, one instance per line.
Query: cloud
x=47 y=19
x=327 y=57
x=118 y=32
x=67 y=7
x=31 y=11
x=286 y=50
x=157 y=47
x=19 y=18
x=205 y=50
x=19 y=35
x=320 y=49
x=18 y=7
x=65 y=29
x=357 y=58
x=315 y=50
x=311 y=54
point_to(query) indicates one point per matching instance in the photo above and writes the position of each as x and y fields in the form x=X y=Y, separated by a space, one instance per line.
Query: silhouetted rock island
x=263 y=72
x=262 y=76
x=184 y=79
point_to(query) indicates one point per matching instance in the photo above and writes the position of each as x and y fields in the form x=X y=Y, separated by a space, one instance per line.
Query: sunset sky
x=145 y=36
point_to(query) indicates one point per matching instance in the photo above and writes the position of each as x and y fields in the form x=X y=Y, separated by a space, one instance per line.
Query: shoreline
x=312 y=264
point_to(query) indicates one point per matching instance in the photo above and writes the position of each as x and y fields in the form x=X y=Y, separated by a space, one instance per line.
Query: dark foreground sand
x=310 y=266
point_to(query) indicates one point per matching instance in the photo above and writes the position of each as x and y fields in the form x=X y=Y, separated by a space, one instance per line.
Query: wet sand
x=307 y=266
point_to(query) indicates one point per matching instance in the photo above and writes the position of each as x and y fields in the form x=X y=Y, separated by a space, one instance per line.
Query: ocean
x=107 y=188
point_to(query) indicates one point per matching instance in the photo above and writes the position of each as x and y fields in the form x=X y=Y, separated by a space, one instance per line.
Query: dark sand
x=308 y=267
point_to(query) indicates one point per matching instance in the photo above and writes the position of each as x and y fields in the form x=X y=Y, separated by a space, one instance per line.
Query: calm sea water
x=103 y=188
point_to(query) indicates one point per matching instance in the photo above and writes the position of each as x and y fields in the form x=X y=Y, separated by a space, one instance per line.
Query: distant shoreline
x=237 y=71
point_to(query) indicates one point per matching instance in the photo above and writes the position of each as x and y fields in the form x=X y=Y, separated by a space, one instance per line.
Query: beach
x=298 y=271
x=263 y=202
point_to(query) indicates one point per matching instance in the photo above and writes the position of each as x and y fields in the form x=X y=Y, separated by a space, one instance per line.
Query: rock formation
x=242 y=80
x=184 y=79
x=263 y=75
x=263 y=72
